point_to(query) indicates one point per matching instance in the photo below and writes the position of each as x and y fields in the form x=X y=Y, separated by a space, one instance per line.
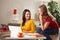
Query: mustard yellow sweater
x=28 y=27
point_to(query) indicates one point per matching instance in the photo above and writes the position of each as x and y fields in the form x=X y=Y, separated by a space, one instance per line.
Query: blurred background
x=7 y=8
x=11 y=10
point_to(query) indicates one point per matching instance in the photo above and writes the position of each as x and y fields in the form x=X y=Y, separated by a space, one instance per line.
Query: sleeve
x=32 y=27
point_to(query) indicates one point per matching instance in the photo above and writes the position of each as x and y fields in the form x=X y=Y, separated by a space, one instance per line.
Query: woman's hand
x=38 y=35
x=41 y=21
x=40 y=17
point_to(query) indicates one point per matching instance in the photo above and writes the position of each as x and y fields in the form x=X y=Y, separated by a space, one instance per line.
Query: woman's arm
x=32 y=27
x=45 y=25
x=41 y=21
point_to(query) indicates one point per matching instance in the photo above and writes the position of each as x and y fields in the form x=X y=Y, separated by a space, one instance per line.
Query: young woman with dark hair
x=27 y=24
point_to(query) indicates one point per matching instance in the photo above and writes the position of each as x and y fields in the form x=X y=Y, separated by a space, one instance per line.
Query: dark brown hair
x=23 y=18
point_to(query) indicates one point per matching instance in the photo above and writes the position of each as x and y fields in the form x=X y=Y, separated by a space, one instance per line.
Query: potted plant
x=54 y=10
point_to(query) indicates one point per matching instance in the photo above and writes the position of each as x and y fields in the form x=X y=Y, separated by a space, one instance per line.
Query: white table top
x=25 y=37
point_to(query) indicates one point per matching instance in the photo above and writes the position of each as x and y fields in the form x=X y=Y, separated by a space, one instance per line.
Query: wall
x=7 y=6
x=6 y=10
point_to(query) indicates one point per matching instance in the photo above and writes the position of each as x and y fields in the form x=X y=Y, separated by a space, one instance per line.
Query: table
x=39 y=38
x=27 y=36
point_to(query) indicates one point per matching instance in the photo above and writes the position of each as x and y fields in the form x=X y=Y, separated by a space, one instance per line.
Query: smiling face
x=27 y=15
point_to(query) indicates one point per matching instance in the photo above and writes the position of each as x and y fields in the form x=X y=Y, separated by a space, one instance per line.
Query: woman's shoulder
x=31 y=20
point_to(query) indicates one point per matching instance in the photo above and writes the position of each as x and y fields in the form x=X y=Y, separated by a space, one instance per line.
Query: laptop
x=14 y=30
